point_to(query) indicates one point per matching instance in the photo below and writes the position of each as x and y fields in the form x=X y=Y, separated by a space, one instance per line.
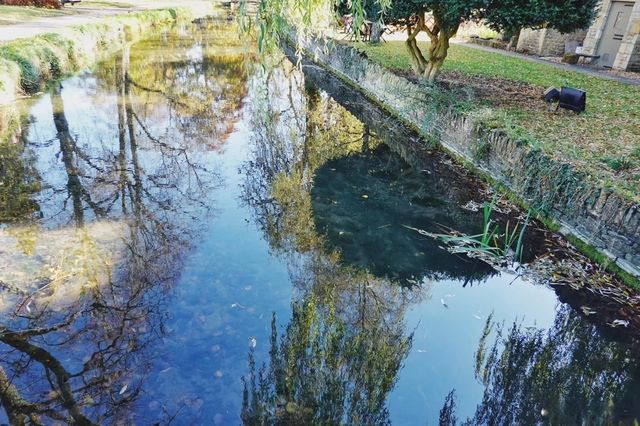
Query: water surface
x=189 y=239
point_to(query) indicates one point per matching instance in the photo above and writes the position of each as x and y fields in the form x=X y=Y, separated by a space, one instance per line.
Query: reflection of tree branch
x=12 y=289
x=180 y=151
x=53 y=365
x=148 y=89
x=18 y=410
x=38 y=331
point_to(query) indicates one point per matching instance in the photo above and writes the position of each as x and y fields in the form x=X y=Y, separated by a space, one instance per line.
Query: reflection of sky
x=226 y=294
x=230 y=285
x=93 y=123
x=445 y=341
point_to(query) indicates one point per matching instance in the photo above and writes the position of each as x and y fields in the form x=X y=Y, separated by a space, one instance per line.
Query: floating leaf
x=620 y=322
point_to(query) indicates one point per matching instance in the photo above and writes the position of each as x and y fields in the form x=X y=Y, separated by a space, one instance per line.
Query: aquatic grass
x=493 y=245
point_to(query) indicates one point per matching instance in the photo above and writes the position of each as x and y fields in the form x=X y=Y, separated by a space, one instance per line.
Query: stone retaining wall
x=548 y=42
x=592 y=213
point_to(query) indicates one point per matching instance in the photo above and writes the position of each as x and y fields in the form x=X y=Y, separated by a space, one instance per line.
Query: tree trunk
x=437 y=53
x=376 y=32
x=513 y=41
x=418 y=62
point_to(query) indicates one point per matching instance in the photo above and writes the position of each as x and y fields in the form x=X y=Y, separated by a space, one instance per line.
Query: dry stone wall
x=548 y=42
x=592 y=213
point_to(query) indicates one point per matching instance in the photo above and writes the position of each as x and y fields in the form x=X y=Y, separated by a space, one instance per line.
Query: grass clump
x=494 y=245
x=603 y=142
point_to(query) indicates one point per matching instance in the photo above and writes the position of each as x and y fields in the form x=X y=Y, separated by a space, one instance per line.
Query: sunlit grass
x=604 y=141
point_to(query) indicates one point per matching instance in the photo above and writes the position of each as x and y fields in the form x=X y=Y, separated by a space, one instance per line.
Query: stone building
x=614 y=37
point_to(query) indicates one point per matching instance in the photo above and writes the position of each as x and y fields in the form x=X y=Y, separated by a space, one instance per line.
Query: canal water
x=190 y=238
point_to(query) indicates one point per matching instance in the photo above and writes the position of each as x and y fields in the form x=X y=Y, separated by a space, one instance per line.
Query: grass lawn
x=604 y=141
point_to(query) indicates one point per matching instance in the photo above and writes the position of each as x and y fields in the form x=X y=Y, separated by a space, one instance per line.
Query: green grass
x=603 y=142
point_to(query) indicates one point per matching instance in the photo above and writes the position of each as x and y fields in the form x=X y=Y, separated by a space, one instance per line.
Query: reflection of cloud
x=57 y=266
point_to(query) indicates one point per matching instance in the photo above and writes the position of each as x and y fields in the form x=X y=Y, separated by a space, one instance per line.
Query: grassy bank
x=26 y=64
x=603 y=142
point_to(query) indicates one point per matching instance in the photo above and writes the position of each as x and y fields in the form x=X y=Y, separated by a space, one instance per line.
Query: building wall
x=548 y=42
x=594 y=33
x=628 y=56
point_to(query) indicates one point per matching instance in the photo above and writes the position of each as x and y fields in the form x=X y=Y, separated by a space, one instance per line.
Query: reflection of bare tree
x=84 y=359
x=71 y=155
x=568 y=375
x=201 y=77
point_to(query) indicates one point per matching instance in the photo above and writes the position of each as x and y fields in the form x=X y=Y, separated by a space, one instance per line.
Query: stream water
x=187 y=238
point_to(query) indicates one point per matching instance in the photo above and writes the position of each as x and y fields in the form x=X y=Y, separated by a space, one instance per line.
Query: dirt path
x=596 y=72
x=86 y=14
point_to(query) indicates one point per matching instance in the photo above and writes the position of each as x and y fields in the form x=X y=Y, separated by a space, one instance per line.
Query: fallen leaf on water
x=587 y=310
x=619 y=322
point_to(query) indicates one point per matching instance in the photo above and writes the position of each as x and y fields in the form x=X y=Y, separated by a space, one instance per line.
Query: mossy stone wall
x=580 y=206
